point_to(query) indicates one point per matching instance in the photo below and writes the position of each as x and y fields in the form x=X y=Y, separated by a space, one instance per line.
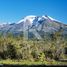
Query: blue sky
x=14 y=10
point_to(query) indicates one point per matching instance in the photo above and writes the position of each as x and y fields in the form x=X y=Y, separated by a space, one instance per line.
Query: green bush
x=34 y=50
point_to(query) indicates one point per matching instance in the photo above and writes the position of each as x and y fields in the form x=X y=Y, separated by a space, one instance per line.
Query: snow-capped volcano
x=41 y=24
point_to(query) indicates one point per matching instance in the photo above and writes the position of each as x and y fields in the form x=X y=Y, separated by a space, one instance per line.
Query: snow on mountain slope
x=32 y=18
x=29 y=19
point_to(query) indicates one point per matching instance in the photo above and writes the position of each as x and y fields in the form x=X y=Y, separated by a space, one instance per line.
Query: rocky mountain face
x=34 y=26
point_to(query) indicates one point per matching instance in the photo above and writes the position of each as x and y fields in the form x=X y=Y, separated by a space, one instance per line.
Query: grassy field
x=26 y=62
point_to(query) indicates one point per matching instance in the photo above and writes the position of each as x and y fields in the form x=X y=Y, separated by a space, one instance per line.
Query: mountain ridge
x=39 y=23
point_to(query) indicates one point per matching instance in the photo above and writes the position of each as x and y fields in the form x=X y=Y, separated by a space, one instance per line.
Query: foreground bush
x=46 y=50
